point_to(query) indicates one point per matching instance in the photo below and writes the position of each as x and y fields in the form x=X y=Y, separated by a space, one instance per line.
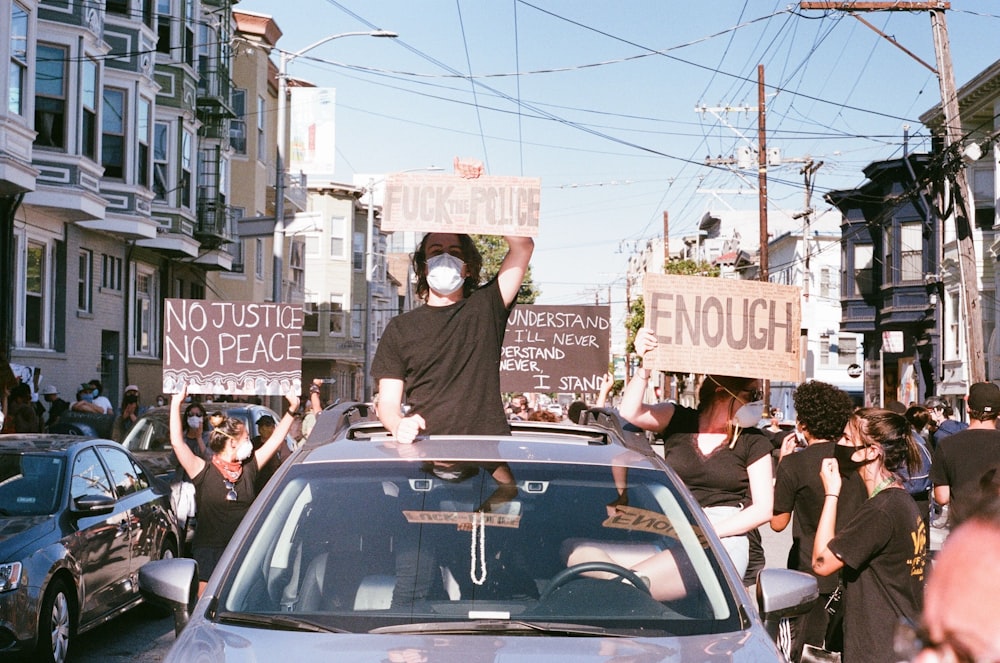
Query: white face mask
x=245 y=450
x=749 y=414
x=194 y=422
x=444 y=273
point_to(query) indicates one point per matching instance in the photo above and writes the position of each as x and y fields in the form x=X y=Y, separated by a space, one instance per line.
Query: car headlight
x=10 y=576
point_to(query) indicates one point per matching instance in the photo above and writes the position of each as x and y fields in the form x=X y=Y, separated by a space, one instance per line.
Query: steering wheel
x=574 y=572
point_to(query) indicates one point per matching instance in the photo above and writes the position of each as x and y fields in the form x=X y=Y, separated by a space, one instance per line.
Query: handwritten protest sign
x=723 y=326
x=452 y=204
x=555 y=348
x=232 y=347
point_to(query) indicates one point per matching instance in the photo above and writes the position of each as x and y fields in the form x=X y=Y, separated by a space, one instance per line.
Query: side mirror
x=784 y=593
x=93 y=505
x=171 y=584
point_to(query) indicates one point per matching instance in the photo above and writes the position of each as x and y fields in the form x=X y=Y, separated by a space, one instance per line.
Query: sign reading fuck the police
x=486 y=205
x=232 y=347
x=723 y=326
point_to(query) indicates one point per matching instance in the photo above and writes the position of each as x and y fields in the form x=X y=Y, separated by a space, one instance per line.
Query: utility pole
x=808 y=170
x=762 y=171
x=666 y=237
x=952 y=134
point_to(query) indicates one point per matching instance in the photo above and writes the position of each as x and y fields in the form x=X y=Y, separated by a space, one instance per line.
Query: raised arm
x=268 y=449
x=652 y=417
x=191 y=463
x=824 y=562
x=514 y=267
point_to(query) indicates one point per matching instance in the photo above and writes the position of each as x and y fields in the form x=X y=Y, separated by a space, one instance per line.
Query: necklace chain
x=882 y=485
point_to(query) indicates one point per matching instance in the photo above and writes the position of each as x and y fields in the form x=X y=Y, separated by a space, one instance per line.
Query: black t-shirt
x=448 y=358
x=884 y=550
x=798 y=490
x=960 y=460
x=218 y=517
x=719 y=479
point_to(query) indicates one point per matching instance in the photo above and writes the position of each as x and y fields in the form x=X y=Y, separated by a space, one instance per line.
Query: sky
x=600 y=100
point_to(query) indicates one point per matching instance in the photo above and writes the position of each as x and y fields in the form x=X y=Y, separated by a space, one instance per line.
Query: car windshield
x=29 y=483
x=456 y=546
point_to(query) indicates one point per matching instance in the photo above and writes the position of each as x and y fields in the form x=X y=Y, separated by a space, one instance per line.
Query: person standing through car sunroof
x=442 y=359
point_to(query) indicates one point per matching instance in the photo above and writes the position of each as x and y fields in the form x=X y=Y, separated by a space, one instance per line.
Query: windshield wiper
x=279 y=622
x=497 y=626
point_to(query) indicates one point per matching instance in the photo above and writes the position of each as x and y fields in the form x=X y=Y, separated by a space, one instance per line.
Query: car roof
x=599 y=441
x=45 y=442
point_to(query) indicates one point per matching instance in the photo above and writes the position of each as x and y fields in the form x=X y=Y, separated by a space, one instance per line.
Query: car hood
x=21 y=532
x=203 y=641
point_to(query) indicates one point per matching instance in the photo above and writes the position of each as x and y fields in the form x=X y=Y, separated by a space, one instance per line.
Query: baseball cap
x=131 y=387
x=49 y=389
x=984 y=397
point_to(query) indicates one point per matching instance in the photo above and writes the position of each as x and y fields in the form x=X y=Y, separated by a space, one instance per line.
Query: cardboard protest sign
x=453 y=204
x=723 y=326
x=555 y=348
x=232 y=347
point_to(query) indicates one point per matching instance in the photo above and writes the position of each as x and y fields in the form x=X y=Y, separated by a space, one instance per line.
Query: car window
x=89 y=477
x=150 y=433
x=399 y=543
x=122 y=471
x=30 y=483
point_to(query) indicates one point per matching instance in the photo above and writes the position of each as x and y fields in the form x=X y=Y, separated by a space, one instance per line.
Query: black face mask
x=847 y=464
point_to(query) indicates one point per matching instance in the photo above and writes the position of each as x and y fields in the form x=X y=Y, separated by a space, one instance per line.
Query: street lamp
x=284 y=57
x=370 y=274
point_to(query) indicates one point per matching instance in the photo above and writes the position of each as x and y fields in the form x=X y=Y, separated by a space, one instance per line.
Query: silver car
x=469 y=549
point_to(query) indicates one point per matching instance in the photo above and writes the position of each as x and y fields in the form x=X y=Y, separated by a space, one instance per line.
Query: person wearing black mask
x=883 y=549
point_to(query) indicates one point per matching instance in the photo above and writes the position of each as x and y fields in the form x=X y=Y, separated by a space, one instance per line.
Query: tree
x=494 y=248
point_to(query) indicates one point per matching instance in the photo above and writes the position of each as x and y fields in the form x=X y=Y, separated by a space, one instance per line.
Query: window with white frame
x=864 y=270
x=189 y=26
x=17 y=83
x=161 y=169
x=88 y=121
x=50 y=95
x=337 y=327
x=119 y=7
x=261 y=126
x=113 y=133
x=85 y=282
x=338 y=237
x=954 y=329
x=258 y=257
x=358 y=252
x=187 y=163
x=37 y=295
x=164 y=25
x=825 y=282
x=847 y=349
x=144 y=136
x=824 y=350
x=911 y=251
x=296 y=265
x=238 y=124
x=357 y=315
x=143 y=312
x=310 y=315
x=111 y=272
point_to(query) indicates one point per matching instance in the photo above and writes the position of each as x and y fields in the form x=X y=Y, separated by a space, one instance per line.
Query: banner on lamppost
x=723 y=326
x=232 y=347
x=312 y=127
x=486 y=205
x=563 y=349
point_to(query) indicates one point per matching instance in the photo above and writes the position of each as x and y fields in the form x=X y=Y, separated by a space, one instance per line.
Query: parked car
x=455 y=548
x=78 y=517
x=149 y=438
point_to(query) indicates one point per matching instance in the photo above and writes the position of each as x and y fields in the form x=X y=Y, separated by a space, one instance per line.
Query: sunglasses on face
x=231 y=496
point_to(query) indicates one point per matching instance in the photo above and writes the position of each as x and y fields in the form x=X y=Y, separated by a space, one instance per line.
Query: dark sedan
x=78 y=517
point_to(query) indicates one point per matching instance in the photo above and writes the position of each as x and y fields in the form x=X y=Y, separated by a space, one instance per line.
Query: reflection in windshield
x=29 y=484
x=399 y=542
